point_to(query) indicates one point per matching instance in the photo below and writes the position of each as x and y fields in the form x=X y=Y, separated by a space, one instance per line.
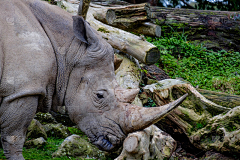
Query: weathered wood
x=83 y=8
x=129 y=18
x=117 y=62
x=127 y=14
x=217 y=29
x=125 y=41
x=148 y=29
x=131 y=144
x=206 y=124
x=220 y=98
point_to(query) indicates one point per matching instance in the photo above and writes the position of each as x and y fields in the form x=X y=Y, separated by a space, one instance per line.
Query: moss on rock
x=36 y=130
x=56 y=130
x=75 y=146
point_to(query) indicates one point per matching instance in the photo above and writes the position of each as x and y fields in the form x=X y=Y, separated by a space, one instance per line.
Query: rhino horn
x=126 y=95
x=138 y=118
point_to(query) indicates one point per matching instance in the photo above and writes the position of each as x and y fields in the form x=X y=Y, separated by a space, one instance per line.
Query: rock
x=75 y=146
x=36 y=143
x=151 y=143
x=56 y=130
x=45 y=118
x=36 y=130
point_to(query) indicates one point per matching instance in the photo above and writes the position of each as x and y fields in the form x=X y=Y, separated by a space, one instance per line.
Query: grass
x=217 y=71
x=46 y=151
x=41 y=153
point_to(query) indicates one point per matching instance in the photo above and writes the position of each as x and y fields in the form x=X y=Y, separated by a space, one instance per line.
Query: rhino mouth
x=103 y=144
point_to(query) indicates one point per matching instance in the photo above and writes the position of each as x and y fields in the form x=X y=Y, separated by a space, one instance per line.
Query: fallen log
x=127 y=14
x=220 y=98
x=215 y=29
x=208 y=126
x=125 y=41
x=129 y=18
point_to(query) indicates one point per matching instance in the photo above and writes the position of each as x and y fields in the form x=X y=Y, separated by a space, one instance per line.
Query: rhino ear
x=79 y=28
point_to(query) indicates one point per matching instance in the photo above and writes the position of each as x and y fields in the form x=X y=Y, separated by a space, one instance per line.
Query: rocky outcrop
x=56 y=130
x=36 y=130
x=36 y=143
x=45 y=118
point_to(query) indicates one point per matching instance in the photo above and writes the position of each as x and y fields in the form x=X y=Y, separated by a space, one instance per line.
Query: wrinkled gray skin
x=49 y=58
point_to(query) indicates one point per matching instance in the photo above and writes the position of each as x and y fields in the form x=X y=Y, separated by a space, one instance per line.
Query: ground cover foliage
x=45 y=152
x=203 y=68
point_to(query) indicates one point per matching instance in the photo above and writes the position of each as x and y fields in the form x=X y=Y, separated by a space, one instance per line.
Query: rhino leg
x=15 y=117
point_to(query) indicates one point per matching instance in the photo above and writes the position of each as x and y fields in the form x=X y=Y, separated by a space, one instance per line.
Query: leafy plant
x=77 y=131
x=218 y=71
x=150 y=103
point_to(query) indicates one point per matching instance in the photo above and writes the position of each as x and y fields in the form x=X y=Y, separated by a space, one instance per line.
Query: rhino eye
x=99 y=95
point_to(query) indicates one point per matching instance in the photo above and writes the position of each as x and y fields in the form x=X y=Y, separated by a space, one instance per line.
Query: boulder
x=36 y=143
x=56 y=130
x=36 y=130
x=45 y=118
x=75 y=146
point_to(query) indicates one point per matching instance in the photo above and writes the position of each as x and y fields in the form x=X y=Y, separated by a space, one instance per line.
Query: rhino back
x=27 y=59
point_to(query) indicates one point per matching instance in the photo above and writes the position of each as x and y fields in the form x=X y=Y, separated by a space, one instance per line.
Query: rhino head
x=94 y=100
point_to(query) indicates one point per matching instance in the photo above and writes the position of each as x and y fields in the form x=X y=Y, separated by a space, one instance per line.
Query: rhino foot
x=12 y=146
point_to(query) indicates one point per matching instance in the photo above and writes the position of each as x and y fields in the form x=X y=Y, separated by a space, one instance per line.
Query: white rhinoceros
x=49 y=58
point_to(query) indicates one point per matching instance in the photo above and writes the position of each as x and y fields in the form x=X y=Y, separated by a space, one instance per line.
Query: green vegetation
x=41 y=153
x=103 y=30
x=150 y=103
x=46 y=151
x=217 y=71
x=77 y=131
